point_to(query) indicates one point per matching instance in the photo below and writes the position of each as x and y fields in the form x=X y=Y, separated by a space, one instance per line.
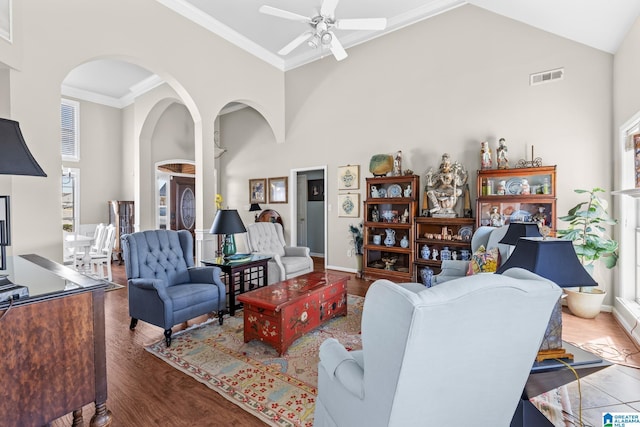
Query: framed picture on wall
x=349 y=177
x=5 y=19
x=349 y=205
x=315 y=190
x=278 y=190
x=258 y=190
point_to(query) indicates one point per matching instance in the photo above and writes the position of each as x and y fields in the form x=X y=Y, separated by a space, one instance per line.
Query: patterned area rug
x=281 y=391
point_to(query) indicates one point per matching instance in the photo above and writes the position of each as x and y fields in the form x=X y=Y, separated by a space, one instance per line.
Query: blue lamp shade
x=227 y=222
x=553 y=259
x=15 y=157
x=519 y=229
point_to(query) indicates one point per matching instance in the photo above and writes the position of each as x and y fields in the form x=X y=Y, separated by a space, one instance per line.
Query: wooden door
x=183 y=204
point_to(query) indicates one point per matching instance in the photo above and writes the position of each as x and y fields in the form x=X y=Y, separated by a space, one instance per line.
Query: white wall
x=52 y=38
x=441 y=85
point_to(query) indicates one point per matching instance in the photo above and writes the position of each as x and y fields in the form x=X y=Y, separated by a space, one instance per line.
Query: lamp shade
x=553 y=259
x=227 y=221
x=519 y=229
x=254 y=207
x=15 y=157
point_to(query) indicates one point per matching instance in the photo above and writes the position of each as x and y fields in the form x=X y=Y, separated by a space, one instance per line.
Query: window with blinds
x=69 y=134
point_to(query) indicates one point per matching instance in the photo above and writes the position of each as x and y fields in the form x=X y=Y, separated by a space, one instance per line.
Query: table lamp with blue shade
x=556 y=260
x=15 y=159
x=227 y=222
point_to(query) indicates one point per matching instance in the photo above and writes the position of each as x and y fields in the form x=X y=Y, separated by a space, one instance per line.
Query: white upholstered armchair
x=267 y=238
x=458 y=354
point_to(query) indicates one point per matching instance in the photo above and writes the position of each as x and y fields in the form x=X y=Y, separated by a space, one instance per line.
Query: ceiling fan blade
x=295 y=43
x=328 y=8
x=268 y=10
x=362 y=24
x=337 y=49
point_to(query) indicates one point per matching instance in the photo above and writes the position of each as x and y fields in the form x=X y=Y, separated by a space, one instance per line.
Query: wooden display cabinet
x=507 y=190
x=122 y=216
x=391 y=204
x=438 y=233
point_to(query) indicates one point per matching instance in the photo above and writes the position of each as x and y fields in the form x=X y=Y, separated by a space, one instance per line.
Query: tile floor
x=613 y=389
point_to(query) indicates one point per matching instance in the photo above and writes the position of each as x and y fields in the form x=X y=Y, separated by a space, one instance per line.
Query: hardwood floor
x=144 y=391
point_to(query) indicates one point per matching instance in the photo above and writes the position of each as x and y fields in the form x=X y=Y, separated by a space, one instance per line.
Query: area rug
x=281 y=391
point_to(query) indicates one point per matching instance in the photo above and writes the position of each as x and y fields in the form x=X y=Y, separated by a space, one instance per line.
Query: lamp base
x=556 y=353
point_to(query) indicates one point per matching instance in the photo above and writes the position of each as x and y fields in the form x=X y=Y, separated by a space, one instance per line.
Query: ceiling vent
x=546 y=76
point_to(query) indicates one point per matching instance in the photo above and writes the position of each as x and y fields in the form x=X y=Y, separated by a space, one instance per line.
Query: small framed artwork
x=315 y=190
x=636 y=157
x=5 y=19
x=278 y=190
x=349 y=177
x=258 y=190
x=349 y=205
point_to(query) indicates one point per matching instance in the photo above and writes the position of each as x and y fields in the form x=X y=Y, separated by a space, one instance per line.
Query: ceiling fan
x=322 y=25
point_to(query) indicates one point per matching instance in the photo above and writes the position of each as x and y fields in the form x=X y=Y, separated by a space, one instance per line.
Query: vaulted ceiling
x=596 y=23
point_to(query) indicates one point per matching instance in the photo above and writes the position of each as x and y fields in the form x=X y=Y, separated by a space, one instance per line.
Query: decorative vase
x=425 y=252
x=404 y=243
x=585 y=304
x=390 y=240
x=381 y=164
x=427 y=276
x=445 y=254
x=465 y=255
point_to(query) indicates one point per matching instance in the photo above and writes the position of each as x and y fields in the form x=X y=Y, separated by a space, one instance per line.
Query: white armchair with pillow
x=267 y=238
x=483 y=236
x=448 y=355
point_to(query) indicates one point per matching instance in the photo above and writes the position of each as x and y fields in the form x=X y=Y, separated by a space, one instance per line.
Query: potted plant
x=587 y=230
x=357 y=241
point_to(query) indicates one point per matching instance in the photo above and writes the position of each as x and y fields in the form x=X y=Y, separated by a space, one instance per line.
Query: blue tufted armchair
x=164 y=286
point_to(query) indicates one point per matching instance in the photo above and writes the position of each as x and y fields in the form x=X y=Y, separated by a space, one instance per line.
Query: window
x=70 y=199
x=69 y=131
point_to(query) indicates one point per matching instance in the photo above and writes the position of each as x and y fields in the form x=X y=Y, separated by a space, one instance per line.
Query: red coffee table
x=281 y=313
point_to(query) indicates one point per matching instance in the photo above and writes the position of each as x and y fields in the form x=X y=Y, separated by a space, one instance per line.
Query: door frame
x=293 y=197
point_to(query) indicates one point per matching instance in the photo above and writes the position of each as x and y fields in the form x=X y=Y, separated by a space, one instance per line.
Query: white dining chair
x=101 y=260
x=82 y=256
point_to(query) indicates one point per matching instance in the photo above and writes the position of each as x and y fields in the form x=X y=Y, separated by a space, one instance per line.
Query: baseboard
x=344 y=269
x=627 y=313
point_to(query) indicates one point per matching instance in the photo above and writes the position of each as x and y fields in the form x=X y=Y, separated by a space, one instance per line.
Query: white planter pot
x=585 y=304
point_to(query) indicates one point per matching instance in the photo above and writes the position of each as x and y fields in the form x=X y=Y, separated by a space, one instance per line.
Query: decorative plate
x=395 y=190
x=382 y=192
x=465 y=233
x=513 y=186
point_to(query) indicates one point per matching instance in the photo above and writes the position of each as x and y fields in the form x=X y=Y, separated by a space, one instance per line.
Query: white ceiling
x=596 y=23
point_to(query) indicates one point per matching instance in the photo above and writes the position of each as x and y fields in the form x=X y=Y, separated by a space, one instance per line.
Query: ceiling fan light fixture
x=314 y=41
x=325 y=38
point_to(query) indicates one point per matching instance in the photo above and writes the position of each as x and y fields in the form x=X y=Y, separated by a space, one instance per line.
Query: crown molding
x=197 y=16
x=87 y=95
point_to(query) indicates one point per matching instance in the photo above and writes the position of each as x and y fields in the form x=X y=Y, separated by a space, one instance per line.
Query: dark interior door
x=183 y=204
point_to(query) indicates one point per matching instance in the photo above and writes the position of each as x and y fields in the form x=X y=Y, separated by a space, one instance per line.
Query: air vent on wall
x=546 y=76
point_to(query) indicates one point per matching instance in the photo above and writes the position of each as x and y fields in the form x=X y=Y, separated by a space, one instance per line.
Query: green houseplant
x=357 y=240
x=587 y=229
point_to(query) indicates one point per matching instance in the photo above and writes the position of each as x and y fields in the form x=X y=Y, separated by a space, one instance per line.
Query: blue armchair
x=165 y=288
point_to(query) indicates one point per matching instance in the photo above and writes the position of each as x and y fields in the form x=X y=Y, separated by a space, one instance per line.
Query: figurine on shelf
x=495 y=219
x=444 y=188
x=502 y=188
x=524 y=187
x=405 y=216
x=397 y=164
x=434 y=254
x=485 y=156
x=501 y=153
x=375 y=214
x=374 y=192
x=407 y=191
x=540 y=217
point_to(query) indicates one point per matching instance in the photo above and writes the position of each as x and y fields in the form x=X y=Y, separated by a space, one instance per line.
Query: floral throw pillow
x=484 y=261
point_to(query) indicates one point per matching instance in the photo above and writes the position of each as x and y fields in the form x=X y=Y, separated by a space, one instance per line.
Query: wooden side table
x=240 y=273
